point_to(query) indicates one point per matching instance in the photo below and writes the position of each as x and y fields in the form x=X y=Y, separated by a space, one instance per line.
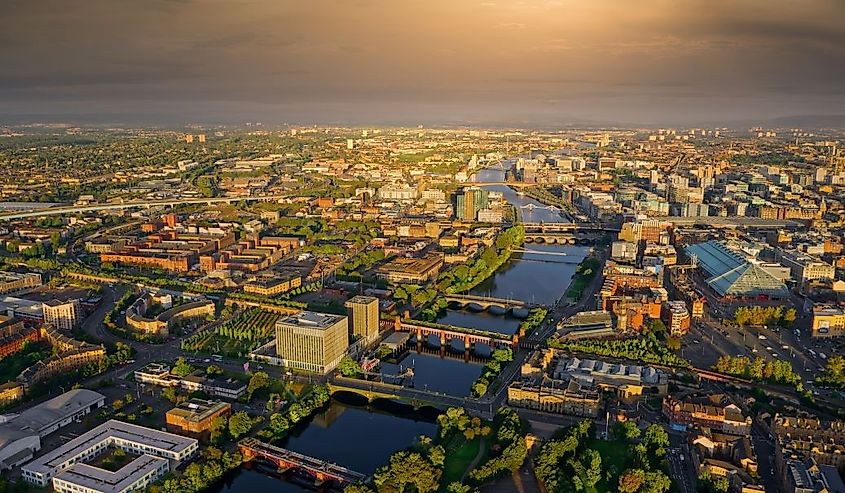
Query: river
x=541 y=274
x=359 y=438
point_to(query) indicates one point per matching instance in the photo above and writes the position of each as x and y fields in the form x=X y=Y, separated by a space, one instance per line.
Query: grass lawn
x=457 y=461
x=614 y=454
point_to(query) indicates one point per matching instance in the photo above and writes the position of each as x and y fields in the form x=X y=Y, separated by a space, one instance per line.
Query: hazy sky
x=406 y=61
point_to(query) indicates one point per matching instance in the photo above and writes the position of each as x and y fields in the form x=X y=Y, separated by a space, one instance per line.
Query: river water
x=362 y=439
x=541 y=274
x=358 y=438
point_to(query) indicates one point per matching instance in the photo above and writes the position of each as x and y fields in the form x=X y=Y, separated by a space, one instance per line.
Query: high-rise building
x=312 y=341
x=189 y=138
x=201 y=138
x=469 y=201
x=363 y=317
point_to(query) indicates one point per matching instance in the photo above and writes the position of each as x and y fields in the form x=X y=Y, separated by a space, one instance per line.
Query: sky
x=422 y=61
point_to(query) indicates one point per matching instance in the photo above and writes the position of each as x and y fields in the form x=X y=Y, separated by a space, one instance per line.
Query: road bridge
x=484 y=301
x=55 y=211
x=322 y=471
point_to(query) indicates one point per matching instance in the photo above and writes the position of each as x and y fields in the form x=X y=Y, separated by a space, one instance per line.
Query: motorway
x=55 y=211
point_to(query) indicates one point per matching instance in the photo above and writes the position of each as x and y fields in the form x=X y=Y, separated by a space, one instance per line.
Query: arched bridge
x=446 y=333
x=552 y=227
x=483 y=302
x=322 y=471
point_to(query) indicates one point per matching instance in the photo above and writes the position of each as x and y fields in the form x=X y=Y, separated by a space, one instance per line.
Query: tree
x=631 y=480
x=626 y=430
x=348 y=367
x=656 y=482
x=239 y=424
x=218 y=427
x=455 y=487
x=437 y=455
x=357 y=488
x=259 y=380
x=213 y=370
x=182 y=368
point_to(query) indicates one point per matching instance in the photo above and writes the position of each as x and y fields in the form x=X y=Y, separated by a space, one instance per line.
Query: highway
x=56 y=211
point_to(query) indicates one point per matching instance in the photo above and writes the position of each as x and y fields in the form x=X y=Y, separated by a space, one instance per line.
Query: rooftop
x=41 y=416
x=109 y=431
x=197 y=409
x=307 y=318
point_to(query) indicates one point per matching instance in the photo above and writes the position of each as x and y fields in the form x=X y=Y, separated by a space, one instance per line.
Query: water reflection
x=361 y=439
x=449 y=375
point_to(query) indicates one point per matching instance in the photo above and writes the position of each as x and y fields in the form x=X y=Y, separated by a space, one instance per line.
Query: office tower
x=189 y=139
x=363 y=317
x=312 y=341
x=469 y=201
x=201 y=138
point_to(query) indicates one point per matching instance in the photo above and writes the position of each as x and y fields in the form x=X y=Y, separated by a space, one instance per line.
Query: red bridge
x=448 y=332
x=323 y=471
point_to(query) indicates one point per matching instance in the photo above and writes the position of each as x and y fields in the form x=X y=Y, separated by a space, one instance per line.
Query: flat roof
x=106 y=481
x=44 y=415
x=198 y=409
x=108 y=431
x=307 y=318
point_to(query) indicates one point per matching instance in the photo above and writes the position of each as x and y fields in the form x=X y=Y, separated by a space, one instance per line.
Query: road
x=55 y=211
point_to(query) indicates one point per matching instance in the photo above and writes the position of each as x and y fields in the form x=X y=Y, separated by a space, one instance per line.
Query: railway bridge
x=447 y=333
x=322 y=471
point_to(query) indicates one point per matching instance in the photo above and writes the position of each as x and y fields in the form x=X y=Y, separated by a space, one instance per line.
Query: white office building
x=70 y=468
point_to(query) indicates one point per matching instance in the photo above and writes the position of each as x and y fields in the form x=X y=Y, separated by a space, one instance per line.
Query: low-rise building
x=411 y=269
x=68 y=466
x=194 y=417
x=274 y=284
x=715 y=412
x=20 y=435
x=11 y=282
x=828 y=321
x=159 y=374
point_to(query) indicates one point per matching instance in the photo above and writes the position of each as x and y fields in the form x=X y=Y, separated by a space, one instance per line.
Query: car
x=785 y=347
x=761 y=337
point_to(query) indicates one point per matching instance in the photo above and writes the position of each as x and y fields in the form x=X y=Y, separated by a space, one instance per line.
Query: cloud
x=320 y=59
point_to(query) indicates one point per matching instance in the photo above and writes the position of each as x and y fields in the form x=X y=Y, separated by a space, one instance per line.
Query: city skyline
x=528 y=63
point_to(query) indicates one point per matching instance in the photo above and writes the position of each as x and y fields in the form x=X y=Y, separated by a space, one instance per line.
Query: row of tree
x=281 y=423
x=647 y=349
x=498 y=361
x=759 y=370
x=834 y=372
x=764 y=315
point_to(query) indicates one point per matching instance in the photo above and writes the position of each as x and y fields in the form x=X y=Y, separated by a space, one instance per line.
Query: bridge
x=446 y=333
x=512 y=184
x=551 y=227
x=480 y=303
x=55 y=211
x=322 y=471
x=559 y=238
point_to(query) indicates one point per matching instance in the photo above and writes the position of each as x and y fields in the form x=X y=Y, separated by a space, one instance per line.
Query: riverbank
x=584 y=274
